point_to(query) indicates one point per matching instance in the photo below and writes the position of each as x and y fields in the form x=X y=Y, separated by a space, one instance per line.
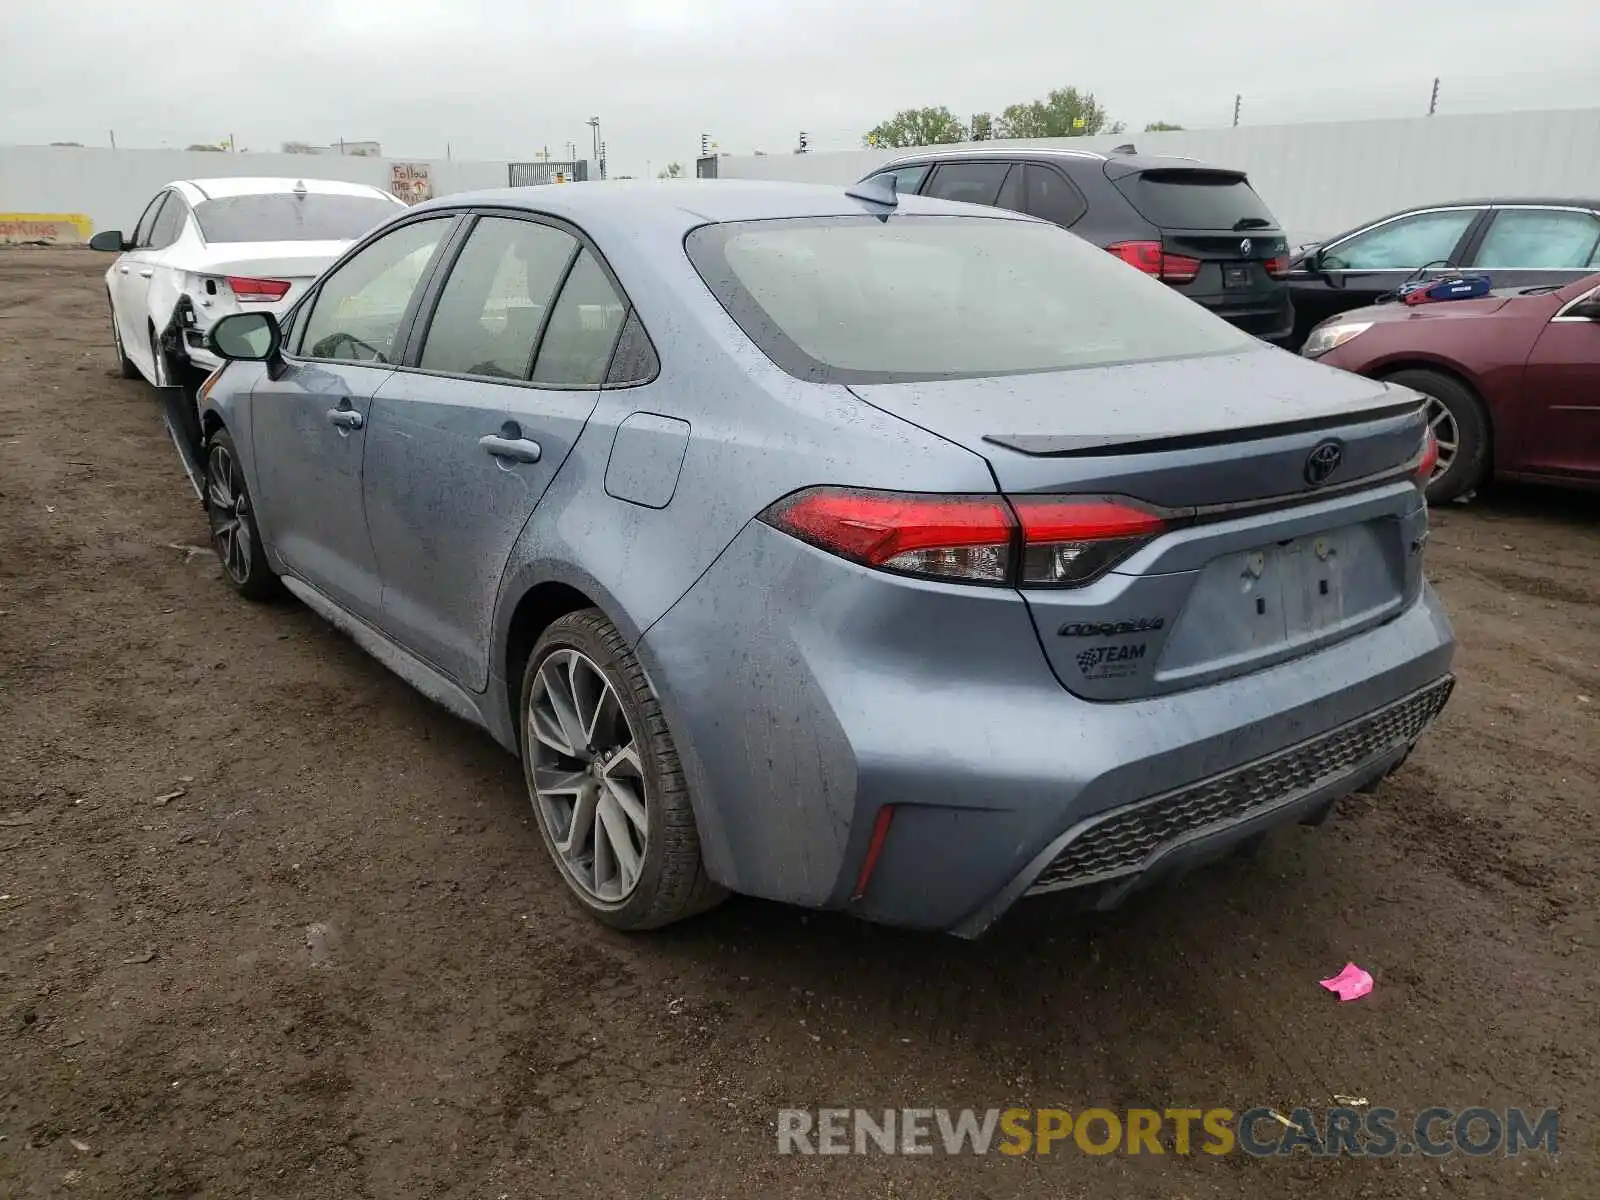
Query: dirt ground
x=337 y=963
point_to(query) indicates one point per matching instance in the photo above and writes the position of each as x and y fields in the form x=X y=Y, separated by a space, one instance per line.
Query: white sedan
x=205 y=248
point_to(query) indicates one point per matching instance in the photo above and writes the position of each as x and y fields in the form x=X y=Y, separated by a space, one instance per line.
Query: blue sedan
x=858 y=551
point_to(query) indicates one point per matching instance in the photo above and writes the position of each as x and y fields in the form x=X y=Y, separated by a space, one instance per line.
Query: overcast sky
x=504 y=78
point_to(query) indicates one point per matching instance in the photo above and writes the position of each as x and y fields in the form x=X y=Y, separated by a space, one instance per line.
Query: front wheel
x=234 y=533
x=603 y=775
x=1458 y=420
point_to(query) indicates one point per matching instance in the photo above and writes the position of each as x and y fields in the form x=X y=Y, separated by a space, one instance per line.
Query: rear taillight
x=947 y=537
x=1429 y=462
x=1150 y=258
x=257 y=291
x=1030 y=541
x=1068 y=540
x=1278 y=267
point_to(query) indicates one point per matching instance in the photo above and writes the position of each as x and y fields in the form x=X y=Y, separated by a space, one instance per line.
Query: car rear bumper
x=1269 y=318
x=805 y=694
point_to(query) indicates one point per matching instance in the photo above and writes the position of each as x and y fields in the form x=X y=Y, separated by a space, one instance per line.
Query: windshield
x=859 y=300
x=285 y=217
x=1196 y=199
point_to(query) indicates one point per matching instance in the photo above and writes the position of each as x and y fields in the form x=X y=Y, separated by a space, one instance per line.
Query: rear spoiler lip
x=1056 y=445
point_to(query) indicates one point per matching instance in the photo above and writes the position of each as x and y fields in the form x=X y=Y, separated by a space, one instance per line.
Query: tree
x=1160 y=127
x=299 y=148
x=917 y=127
x=1065 y=112
x=204 y=146
x=982 y=126
x=673 y=171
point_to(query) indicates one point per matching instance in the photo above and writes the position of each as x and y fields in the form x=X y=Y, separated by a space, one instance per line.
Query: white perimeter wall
x=111 y=187
x=1320 y=179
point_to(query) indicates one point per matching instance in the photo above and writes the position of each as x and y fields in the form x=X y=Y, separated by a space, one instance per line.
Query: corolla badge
x=1244 y=247
x=1323 y=461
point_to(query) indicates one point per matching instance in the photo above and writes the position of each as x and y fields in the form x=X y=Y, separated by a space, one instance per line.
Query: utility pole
x=1433 y=101
x=594 y=127
x=113 y=134
x=1236 y=101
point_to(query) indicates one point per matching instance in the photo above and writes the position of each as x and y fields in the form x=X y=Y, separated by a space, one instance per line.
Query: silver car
x=857 y=551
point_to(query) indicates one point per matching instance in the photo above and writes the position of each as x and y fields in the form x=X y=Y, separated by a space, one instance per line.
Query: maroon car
x=1512 y=379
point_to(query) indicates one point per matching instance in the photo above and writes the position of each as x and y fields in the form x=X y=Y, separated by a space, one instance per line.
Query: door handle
x=124 y=270
x=145 y=274
x=346 y=418
x=516 y=449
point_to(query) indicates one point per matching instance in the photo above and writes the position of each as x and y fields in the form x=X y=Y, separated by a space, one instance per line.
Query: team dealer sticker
x=1111 y=662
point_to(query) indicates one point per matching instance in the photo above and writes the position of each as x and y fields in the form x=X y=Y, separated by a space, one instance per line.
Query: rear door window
x=576 y=348
x=1542 y=239
x=1184 y=198
x=1403 y=244
x=147 y=223
x=1011 y=191
x=972 y=183
x=169 y=225
x=1051 y=197
x=492 y=308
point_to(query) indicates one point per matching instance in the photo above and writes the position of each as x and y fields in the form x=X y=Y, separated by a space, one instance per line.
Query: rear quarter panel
x=755 y=434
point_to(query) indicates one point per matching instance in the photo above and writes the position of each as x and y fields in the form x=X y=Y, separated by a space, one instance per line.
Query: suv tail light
x=1278 y=268
x=1028 y=541
x=1150 y=258
x=257 y=291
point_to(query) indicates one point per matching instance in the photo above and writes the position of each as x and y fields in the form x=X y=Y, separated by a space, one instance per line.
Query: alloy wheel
x=229 y=505
x=1446 y=433
x=588 y=778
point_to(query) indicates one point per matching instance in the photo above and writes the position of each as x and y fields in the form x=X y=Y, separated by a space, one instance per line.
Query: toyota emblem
x=1323 y=461
x=1244 y=247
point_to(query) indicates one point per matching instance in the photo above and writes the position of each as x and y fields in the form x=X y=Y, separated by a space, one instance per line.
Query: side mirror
x=110 y=239
x=246 y=337
x=1311 y=261
x=1588 y=310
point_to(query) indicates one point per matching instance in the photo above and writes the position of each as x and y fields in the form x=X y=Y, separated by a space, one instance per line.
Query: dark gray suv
x=1199 y=228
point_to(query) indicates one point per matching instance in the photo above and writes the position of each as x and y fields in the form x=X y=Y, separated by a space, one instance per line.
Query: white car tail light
x=258 y=291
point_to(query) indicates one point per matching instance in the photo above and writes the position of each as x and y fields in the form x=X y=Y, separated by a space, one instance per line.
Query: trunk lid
x=1258 y=563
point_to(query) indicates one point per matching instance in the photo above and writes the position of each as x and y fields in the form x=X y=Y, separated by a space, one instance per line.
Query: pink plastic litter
x=1352 y=983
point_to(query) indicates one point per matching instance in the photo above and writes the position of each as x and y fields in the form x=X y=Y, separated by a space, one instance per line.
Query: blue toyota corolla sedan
x=857 y=551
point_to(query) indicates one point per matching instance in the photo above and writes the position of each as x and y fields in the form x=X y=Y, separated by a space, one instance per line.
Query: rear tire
x=603 y=776
x=125 y=365
x=1462 y=427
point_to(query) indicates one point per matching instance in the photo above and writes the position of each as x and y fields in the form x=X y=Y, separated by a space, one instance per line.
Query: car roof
x=1132 y=161
x=259 y=185
x=620 y=207
x=1479 y=202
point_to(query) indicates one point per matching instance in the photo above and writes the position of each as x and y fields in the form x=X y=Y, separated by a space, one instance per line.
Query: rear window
x=859 y=300
x=1186 y=199
x=283 y=217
